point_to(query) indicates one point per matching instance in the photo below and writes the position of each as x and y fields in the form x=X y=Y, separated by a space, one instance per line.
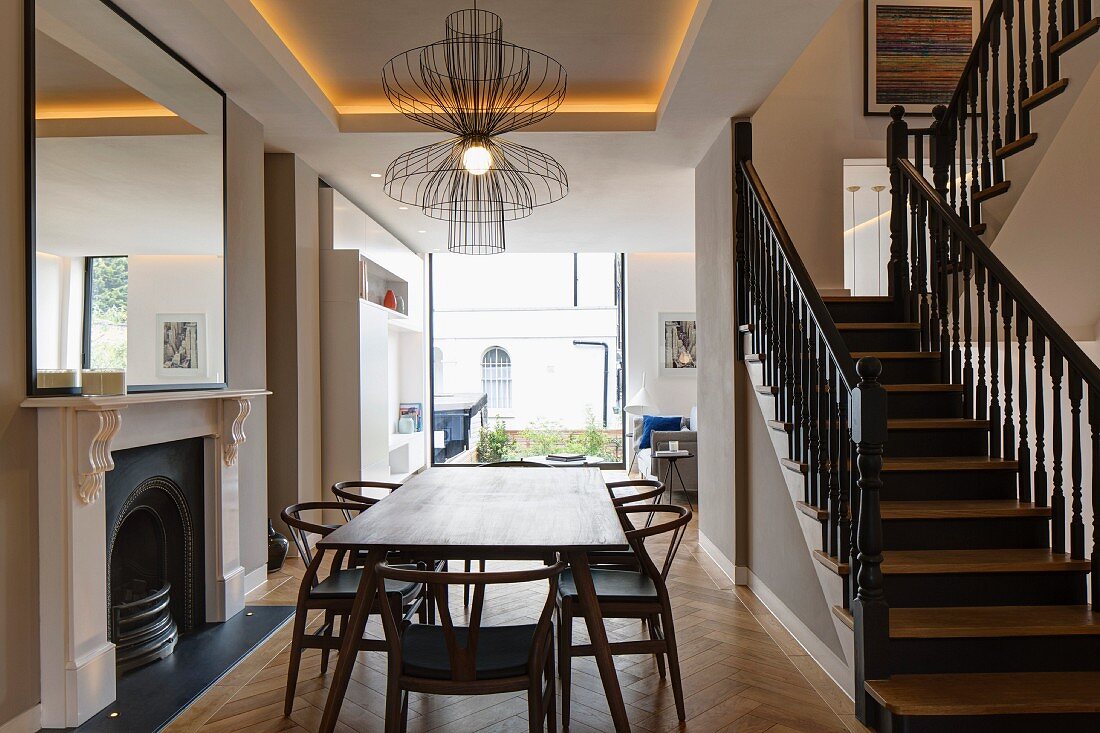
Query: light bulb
x=477 y=160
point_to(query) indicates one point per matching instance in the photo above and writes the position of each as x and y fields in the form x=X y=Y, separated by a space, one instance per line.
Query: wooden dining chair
x=352 y=492
x=335 y=594
x=635 y=490
x=640 y=594
x=470 y=660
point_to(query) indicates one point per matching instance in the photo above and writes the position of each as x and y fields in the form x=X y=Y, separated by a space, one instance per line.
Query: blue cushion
x=656 y=422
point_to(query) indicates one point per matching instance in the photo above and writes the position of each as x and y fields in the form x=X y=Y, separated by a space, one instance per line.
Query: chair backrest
x=463 y=656
x=647 y=488
x=352 y=492
x=514 y=464
x=301 y=529
x=673 y=527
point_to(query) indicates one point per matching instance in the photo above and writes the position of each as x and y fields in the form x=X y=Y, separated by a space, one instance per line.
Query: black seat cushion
x=502 y=651
x=345 y=583
x=612 y=585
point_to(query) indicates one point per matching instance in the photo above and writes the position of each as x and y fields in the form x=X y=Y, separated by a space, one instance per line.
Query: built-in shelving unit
x=373 y=358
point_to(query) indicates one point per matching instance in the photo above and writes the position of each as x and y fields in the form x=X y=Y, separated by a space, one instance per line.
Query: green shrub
x=495 y=444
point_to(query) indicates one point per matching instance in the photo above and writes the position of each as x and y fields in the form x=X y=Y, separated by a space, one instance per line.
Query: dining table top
x=505 y=510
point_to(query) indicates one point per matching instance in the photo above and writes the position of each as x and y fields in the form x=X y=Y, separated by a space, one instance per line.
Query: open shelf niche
x=373 y=358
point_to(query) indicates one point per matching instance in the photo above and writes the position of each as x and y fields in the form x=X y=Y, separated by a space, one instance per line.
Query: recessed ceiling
x=618 y=54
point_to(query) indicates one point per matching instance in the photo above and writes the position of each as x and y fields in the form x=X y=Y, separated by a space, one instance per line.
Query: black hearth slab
x=150 y=697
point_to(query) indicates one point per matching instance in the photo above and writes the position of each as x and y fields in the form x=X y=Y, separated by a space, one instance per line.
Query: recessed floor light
x=248 y=613
x=113 y=714
x=375 y=175
x=421 y=231
x=402 y=208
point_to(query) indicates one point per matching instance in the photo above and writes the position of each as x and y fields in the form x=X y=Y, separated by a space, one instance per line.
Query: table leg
x=349 y=644
x=590 y=606
x=683 y=486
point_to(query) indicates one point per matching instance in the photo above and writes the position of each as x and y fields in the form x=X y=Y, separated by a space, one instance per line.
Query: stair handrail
x=833 y=410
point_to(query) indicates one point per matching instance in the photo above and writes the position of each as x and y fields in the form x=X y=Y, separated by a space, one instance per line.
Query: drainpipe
x=605 y=367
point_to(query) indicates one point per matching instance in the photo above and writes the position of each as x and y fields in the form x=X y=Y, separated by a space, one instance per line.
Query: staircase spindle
x=1040 y=478
x=935 y=267
x=955 y=259
x=1052 y=38
x=981 y=402
x=994 y=378
x=797 y=437
x=983 y=91
x=1023 y=451
x=897 y=147
x=968 y=359
x=832 y=432
x=1057 y=497
x=848 y=508
x=811 y=419
x=1009 y=14
x=1069 y=24
x=1023 y=124
x=821 y=398
x=1076 y=522
x=1038 y=74
x=995 y=99
x=1084 y=11
x=1094 y=425
x=1009 y=428
x=964 y=162
x=975 y=175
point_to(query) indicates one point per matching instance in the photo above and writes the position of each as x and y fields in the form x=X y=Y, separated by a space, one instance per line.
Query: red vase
x=390 y=301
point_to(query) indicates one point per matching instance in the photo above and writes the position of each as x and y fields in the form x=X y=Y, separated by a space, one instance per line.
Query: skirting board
x=738 y=574
x=833 y=665
x=255 y=579
x=28 y=722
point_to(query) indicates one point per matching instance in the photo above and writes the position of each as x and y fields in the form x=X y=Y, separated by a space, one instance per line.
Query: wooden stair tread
x=745 y=328
x=1072 y=39
x=897 y=354
x=812 y=511
x=1045 y=95
x=923 y=387
x=950 y=562
x=985 y=621
x=962 y=509
x=1013 y=693
x=792 y=465
x=840 y=568
x=756 y=358
x=937 y=423
x=766 y=389
x=857 y=299
x=779 y=425
x=880 y=326
x=1021 y=143
x=949 y=463
x=993 y=191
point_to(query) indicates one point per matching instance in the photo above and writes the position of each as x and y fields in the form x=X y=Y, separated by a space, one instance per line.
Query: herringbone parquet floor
x=743 y=673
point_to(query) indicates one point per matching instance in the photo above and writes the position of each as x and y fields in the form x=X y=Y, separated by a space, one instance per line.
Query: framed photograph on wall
x=915 y=51
x=676 y=337
x=181 y=345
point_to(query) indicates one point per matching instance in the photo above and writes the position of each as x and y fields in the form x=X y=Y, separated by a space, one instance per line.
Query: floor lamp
x=852 y=190
x=642 y=403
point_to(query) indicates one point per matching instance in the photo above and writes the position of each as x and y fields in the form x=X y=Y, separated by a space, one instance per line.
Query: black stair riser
x=985 y=589
x=923 y=404
x=911 y=371
x=889 y=339
x=941 y=485
x=1067 y=723
x=993 y=654
x=967 y=534
x=927 y=443
x=863 y=312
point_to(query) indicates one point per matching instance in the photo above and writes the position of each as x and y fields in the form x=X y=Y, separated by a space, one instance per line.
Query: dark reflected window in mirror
x=127 y=206
x=106 y=286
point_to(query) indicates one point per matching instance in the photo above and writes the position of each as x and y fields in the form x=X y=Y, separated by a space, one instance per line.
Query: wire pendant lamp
x=475 y=86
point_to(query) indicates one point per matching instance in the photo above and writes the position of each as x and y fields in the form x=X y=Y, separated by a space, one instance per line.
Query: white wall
x=173 y=284
x=804 y=130
x=658 y=283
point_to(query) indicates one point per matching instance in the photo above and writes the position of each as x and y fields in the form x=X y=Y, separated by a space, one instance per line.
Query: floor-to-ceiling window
x=527 y=356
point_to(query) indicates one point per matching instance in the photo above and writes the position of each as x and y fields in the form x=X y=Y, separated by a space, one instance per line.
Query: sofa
x=687 y=436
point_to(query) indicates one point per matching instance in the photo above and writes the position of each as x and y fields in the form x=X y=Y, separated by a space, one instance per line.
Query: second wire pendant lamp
x=475 y=86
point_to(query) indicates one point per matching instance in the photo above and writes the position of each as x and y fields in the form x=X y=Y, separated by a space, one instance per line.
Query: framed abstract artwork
x=915 y=51
x=677 y=342
x=181 y=348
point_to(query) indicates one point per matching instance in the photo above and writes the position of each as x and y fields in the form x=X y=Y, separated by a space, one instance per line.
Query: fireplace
x=155 y=549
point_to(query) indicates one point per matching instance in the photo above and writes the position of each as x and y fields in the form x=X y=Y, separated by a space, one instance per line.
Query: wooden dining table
x=485 y=513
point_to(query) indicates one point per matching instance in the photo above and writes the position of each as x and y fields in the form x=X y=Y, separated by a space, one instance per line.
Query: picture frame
x=677 y=344
x=181 y=345
x=901 y=66
x=414 y=410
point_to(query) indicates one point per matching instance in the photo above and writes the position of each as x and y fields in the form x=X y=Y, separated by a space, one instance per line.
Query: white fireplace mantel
x=76 y=436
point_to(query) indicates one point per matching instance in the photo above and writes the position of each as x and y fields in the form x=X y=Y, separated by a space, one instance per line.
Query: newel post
x=897 y=149
x=742 y=151
x=872 y=615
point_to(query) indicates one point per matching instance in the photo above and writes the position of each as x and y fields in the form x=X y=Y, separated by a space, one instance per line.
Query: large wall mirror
x=127 y=207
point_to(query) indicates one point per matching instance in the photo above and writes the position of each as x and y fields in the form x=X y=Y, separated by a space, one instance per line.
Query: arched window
x=496 y=377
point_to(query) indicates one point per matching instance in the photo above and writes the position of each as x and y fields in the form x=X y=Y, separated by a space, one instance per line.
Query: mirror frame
x=30 y=192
